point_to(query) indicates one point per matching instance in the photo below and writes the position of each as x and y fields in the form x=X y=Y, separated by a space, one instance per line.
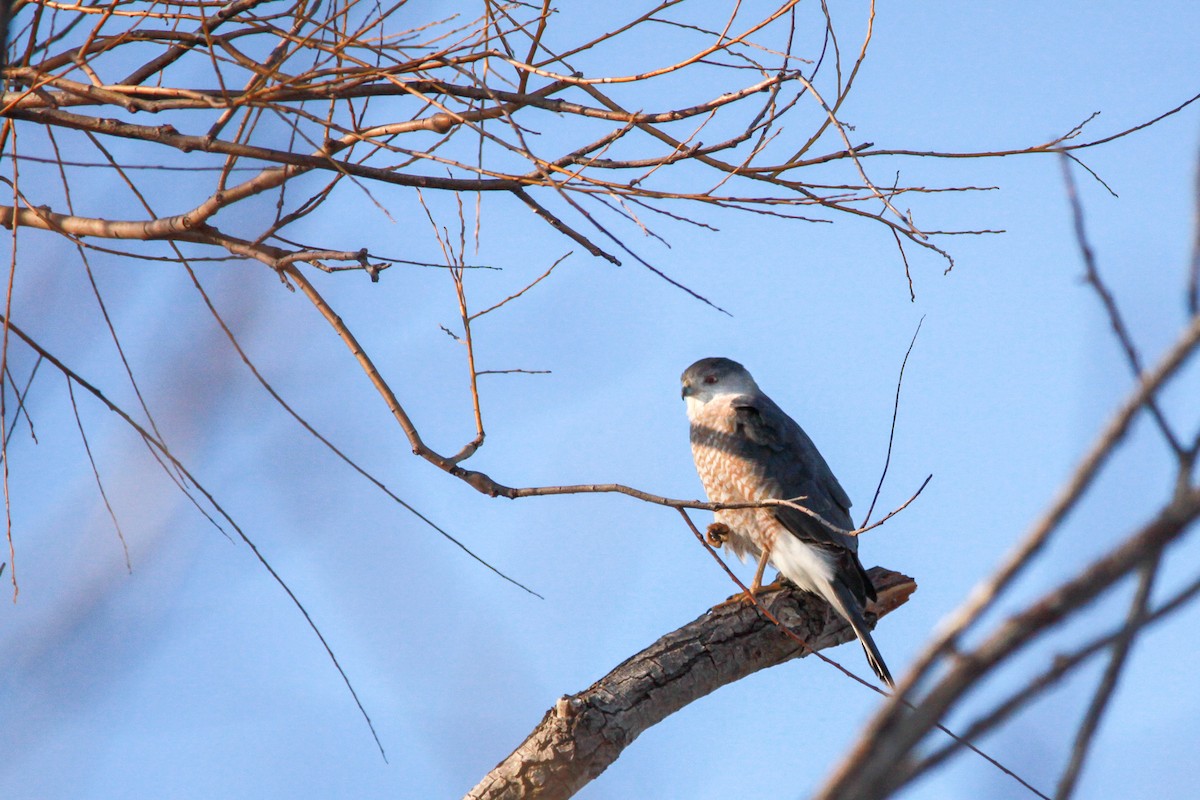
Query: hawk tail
x=837 y=577
x=847 y=605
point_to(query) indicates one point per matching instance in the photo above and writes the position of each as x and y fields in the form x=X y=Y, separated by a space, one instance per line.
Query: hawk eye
x=710 y=379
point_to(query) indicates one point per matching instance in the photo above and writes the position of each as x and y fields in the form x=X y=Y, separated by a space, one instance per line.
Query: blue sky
x=193 y=675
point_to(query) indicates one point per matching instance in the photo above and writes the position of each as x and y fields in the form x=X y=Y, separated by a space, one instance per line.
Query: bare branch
x=1110 y=306
x=879 y=763
x=162 y=449
x=1116 y=663
x=1062 y=665
x=892 y=431
x=266 y=114
x=96 y=474
x=984 y=595
x=584 y=733
x=528 y=286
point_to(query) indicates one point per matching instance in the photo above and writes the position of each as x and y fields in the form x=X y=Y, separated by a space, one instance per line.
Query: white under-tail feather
x=813 y=570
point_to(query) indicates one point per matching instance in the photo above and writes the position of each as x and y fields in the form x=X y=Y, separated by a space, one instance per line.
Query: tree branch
x=584 y=733
x=880 y=763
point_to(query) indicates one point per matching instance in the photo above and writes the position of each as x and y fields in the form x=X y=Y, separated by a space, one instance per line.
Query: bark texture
x=584 y=733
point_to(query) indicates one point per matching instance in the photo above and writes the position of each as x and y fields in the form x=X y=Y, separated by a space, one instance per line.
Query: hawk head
x=710 y=378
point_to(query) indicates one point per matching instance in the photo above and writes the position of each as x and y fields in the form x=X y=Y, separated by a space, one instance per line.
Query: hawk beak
x=687 y=389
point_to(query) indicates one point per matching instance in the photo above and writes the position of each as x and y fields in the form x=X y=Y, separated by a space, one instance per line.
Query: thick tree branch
x=881 y=763
x=987 y=592
x=586 y=732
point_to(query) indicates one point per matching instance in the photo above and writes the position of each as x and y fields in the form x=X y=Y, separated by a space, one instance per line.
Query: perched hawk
x=747 y=449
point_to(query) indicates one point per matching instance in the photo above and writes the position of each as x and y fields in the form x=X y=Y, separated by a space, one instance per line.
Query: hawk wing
x=789 y=461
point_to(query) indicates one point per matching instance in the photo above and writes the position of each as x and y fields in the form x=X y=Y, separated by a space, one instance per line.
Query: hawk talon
x=739 y=599
x=717 y=533
x=753 y=591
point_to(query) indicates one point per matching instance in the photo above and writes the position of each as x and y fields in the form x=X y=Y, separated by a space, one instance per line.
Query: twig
x=529 y=286
x=563 y=227
x=287 y=407
x=149 y=438
x=1110 y=305
x=21 y=410
x=897 y=510
x=513 y=372
x=96 y=474
x=892 y=431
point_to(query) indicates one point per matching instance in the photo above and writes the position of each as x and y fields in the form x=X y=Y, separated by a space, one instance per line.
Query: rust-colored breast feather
x=731 y=478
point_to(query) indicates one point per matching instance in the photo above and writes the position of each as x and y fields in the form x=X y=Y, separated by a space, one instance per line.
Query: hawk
x=747 y=450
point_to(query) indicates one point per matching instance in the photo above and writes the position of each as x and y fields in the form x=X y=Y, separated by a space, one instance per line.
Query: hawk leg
x=756 y=586
x=762 y=566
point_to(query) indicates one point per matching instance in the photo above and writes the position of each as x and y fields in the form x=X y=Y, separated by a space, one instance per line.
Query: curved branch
x=584 y=733
x=879 y=764
x=984 y=595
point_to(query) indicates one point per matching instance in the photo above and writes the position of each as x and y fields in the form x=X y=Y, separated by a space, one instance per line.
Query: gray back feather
x=790 y=460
